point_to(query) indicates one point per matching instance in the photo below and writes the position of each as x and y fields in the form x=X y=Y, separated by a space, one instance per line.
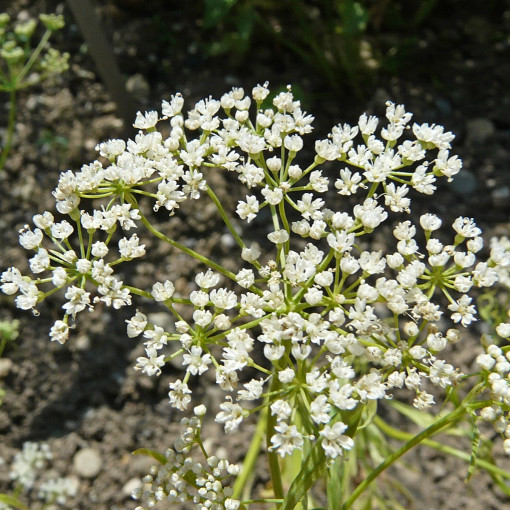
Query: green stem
x=224 y=216
x=406 y=436
x=10 y=128
x=35 y=55
x=3 y=343
x=443 y=422
x=272 y=456
x=178 y=245
x=251 y=456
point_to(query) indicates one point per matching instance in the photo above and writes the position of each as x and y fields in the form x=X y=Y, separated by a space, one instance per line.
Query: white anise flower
x=111 y=148
x=251 y=143
x=136 y=325
x=260 y=92
x=113 y=293
x=83 y=266
x=197 y=363
x=466 y=227
x=40 y=261
x=253 y=391
x=245 y=278
x=78 y=298
x=231 y=415
x=157 y=338
x=248 y=210
x=447 y=166
x=503 y=330
x=179 y=395
x=320 y=409
x=287 y=375
x=199 y=298
x=463 y=311
x=150 y=365
x=163 y=291
x=281 y=409
x=273 y=196
x=44 y=220
x=433 y=136
x=11 y=281
x=146 y=120
x=370 y=214
x=59 y=332
x=309 y=208
x=131 y=248
x=423 y=401
x=174 y=107
x=202 y=318
x=30 y=240
x=223 y=299
x=207 y=280
x=287 y=439
x=278 y=236
x=334 y=441
x=367 y=124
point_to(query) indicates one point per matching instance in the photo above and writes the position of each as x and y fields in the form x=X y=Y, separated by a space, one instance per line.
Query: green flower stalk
x=22 y=66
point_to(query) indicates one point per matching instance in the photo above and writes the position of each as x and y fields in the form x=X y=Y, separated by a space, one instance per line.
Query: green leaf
x=245 y=21
x=367 y=416
x=151 y=453
x=12 y=501
x=311 y=470
x=355 y=18
x=424 y=419
x=215 y=11
x=334 y=484
x=421 y=418
x=475 y=446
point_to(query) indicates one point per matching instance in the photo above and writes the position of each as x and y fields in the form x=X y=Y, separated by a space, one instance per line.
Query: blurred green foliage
x=341 y=39
x=23 y=65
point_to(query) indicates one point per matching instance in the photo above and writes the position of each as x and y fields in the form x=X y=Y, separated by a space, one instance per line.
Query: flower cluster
x=16 y=59
x=327 y=322
x=26 y=469
x=179 y=478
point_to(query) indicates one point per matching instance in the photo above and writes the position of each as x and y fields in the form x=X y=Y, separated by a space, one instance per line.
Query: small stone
x=163 y=320
x=464 y=183
x=5 y=367
x=479 y=130
x=82 y=343
x=501 y=196
x=88 y=463
x=227 y=241
x=138 y=86
x=131 y=485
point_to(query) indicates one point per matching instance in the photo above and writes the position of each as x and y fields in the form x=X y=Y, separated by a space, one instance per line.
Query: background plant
x=22 y=65
x=28 y=471
x=314 y=336
x=342 y=39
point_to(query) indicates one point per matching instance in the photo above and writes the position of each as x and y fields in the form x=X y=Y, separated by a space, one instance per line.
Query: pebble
x=131 y=485
x=464 y=183
x=87 y=462
x=479 y=130
x=138 y=86
x=5 y=367
x=163 y=320
x=501 y=196
x=227 y=241
x=82 y=343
